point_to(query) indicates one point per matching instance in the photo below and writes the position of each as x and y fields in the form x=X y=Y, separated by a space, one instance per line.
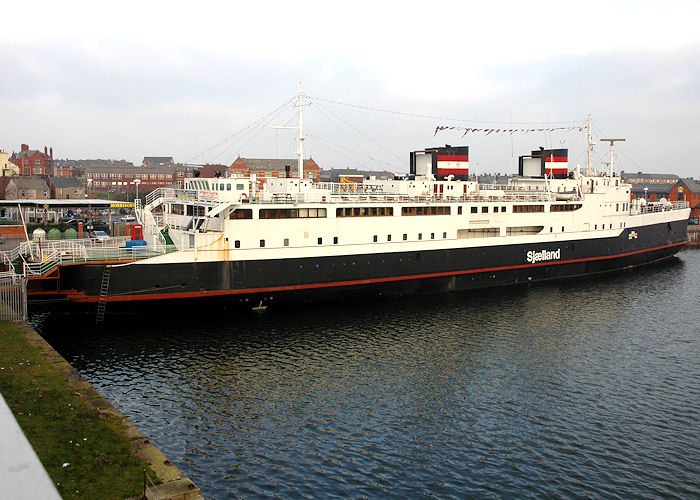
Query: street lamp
x=89 y=183
x=136 y=181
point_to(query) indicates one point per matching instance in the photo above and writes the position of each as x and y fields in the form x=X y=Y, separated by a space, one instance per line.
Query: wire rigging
x=244 y=129
x=381 y=146
x=430 y=117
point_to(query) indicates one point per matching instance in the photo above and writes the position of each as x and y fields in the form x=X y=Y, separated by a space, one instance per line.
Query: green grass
x=63 y=428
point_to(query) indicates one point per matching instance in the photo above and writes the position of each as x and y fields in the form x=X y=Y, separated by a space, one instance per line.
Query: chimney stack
x=25 y=147
x=51 y=152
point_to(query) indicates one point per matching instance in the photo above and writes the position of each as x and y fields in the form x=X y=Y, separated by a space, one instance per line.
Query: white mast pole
x=301 y=138
x=589 y=156
x=612 y=155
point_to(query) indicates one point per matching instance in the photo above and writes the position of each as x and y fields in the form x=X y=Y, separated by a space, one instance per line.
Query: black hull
x=350 y=277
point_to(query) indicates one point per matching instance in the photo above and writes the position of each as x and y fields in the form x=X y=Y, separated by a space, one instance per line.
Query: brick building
x=33 y=161
x=687 y=189
x=653 y=187
x=263 y=168
x=27 y=188
x=120 y=178
x=66 y=188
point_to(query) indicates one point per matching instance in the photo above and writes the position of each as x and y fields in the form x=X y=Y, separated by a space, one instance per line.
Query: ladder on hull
x=104 y=292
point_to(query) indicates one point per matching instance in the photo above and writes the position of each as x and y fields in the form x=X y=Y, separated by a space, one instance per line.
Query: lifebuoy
x=244 y=197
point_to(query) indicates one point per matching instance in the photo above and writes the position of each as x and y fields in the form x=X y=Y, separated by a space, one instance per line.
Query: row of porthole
x=353 y=263
x=375 y=238
x=237 y=243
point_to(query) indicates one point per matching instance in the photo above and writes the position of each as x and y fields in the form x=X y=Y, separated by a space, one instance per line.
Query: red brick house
x=120 y=178
x=33 y=162
x=688 y=190
x=263 y=168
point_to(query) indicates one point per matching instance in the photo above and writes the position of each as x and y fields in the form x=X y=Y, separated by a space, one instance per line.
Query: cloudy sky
x=201 y=81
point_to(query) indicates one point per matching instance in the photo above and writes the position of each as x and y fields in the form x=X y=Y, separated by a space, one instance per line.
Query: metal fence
x=13 y=298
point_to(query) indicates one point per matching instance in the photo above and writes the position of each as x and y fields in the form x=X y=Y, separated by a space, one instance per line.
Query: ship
x=257 y=243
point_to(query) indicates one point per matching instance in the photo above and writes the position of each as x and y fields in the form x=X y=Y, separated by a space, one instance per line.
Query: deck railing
x=663 y=207
x=36 y=259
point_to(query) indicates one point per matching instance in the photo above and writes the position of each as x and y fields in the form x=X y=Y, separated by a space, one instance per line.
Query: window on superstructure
x=405 y=236
x=241 y=213
x=521 y=209
x=262 y=243
x=195 y=211
x=335 y=240
x=569 y=207
x=444 y=235
x=320 y=241
x=475 y=210
x=177 y=209
x=420 y=236
x=374 y=238
x=364 y=211
x=495 y=210
x=459 y=210
x=292 y=213
x=420 y=210
x=432 y=236
x=388 y=237
x=237 y=243
x=503 y=209
x=239 y=187
x=286 y=242
x=484 y=210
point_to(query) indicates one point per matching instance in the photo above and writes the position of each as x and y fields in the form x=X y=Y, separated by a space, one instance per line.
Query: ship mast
x=299 y=128
x=300 y=150
x=589 y=156
x=612 y=155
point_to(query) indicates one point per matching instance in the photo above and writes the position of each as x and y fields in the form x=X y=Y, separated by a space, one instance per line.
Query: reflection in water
x=580 y=388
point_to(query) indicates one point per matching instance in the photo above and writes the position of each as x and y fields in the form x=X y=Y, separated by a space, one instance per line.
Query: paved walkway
x=21 y=473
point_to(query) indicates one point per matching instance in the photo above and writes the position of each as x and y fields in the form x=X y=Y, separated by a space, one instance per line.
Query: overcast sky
x=200 y=80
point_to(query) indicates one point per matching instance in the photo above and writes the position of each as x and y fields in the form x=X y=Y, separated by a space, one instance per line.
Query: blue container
x=135 y=243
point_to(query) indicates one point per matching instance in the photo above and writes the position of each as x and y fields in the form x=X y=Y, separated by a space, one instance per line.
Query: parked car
x=100 y=235
x=693 y=221
x=128 y=218
x=2 y=240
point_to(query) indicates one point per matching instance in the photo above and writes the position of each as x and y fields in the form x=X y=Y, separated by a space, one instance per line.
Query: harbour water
x=585 y=388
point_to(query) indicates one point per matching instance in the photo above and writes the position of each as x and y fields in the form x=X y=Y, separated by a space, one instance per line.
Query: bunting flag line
x=487 y=131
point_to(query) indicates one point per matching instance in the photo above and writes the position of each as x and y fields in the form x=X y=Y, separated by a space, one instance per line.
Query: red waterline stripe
x=187 y=295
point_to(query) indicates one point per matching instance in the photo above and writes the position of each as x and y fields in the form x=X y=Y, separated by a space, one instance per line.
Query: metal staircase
x=104 y=292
